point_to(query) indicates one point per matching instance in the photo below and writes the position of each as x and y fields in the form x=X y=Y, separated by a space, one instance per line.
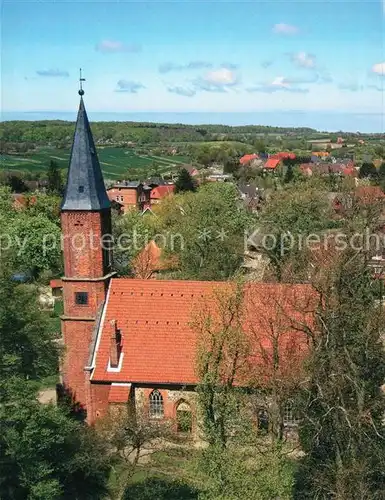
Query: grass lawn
x=168 y=475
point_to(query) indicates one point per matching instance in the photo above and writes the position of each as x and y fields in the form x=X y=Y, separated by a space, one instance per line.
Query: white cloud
x=111 y=46
x=285 y=29
x=304 y=60
x=218 y=80
x=183 y=91
x=129 y=86
x=280 y=81
x=222 y=76
x=167 y=67
x=379 y=68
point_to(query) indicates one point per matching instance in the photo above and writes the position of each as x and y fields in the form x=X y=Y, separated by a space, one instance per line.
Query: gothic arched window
x=156 y=404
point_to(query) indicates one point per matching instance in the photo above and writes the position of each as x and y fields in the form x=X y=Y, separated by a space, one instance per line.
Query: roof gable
x=160 y=192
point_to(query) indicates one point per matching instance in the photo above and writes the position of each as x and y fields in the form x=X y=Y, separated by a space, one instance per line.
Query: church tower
x=86 y=226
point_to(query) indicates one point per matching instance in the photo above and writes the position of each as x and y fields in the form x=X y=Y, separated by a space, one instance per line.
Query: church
x=131 y=339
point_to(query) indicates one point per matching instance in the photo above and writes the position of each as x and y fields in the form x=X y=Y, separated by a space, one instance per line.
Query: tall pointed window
x=156 y=404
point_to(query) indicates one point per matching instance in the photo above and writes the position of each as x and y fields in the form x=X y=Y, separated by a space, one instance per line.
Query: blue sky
x=194 y=55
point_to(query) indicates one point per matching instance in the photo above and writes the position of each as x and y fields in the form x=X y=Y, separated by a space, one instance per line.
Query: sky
x=202 y=56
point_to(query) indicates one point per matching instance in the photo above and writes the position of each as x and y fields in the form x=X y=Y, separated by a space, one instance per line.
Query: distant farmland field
x=115 y=162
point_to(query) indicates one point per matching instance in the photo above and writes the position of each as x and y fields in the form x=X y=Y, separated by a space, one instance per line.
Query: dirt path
x=47 y=396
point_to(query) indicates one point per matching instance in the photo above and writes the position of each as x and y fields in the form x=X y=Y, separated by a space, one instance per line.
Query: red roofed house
x=248 y=158
x=193 y=171
x=284 y=155
x=132 y=339
x=159 y=192
x=274 y=160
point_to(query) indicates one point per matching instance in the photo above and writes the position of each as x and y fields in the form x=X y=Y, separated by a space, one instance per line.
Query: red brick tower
x=86 y=222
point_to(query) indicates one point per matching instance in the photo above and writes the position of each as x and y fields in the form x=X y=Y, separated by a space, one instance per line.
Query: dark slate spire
x=85 y=186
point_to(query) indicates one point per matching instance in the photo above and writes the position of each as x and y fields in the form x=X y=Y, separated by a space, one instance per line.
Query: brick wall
x=84 y=260
x=82 y=244
x=172 y=398
x=77 y=337
x=128 y=197
x=99 y=395
x=96 y=291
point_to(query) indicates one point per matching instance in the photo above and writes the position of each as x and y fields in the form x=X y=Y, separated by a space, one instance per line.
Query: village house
x=341 y=169
x=251 y=195
x=133 y=339
x=193 y=171
x=158 y=193
x=276 y=160
x=130 y=194
x=252 y=160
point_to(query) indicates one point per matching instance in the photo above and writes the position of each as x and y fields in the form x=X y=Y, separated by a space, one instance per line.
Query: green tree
x=238 y=462
x=132 y=232
x=208 y=228
x=44 y=454
x=36 y=244
x=342 y=431
x=130 y=434
x=289 y=174
x=260 y=146
x=184 y=182
x=290 y=216
x=27 y=348
x=222 y=350
x=381 y=175
x=16 y=183
x=367 y=170
x=46 y=205
x=55 y=181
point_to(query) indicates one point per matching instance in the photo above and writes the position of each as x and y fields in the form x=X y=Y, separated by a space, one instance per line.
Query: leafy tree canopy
x=184 y=182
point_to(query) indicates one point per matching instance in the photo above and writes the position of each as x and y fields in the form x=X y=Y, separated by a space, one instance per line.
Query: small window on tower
x=81 y=189
x=81 y=298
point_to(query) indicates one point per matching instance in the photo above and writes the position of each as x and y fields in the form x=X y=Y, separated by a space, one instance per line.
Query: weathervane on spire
x=81 y=91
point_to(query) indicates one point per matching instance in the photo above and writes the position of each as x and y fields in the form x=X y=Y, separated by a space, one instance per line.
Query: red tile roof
x=329 y=168
x=154 y=318
x=284 y=155
x=119 y=393
x=160 y=192
x=56 y=283
x=350 y=171
x=247 y=158
x=272 y=163
x=151 y=260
